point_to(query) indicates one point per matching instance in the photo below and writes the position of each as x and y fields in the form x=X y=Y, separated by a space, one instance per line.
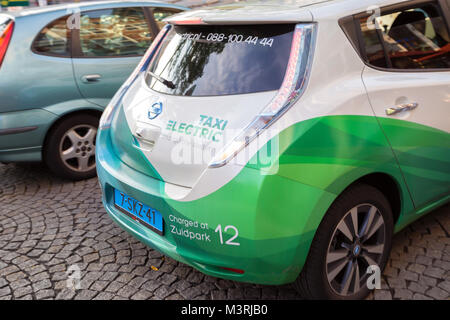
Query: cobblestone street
x=47 y=225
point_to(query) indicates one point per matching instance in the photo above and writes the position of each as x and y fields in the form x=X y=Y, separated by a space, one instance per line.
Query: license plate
x=146 y=215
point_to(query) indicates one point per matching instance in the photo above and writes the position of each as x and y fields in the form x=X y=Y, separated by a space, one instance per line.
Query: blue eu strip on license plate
x=148 y=216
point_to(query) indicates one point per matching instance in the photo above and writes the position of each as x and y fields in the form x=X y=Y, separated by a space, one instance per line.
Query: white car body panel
x=431 y=90
x=343 y=84
x=176 y=164
x=334 y=88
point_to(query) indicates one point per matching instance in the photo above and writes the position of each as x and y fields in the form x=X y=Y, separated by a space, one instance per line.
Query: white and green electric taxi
x=277 y=142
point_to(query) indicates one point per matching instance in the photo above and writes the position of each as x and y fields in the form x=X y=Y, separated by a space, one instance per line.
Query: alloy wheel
x=357 y=242
x=77 y=148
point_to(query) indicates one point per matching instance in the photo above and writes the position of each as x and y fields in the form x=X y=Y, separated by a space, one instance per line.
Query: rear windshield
x=221 y=60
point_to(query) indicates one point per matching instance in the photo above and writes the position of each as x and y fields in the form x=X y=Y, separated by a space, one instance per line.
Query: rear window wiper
x=169 y=84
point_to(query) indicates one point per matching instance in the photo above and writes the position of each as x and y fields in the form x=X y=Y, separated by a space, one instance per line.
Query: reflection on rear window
x=411 y=39
x=114 y=32
x=221 y=60
x=53 y=39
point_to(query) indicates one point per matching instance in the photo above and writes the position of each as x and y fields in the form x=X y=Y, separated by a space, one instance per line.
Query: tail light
x=294 y=84
x=5 y=37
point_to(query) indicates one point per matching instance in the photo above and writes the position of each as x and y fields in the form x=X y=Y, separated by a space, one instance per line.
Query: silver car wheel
x=77 y=148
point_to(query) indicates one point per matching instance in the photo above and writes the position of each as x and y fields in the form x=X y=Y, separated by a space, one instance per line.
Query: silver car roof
x=90 y=5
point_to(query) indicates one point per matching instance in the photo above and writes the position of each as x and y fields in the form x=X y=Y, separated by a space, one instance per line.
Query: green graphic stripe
x=424 y=155
x=318 y=158
x=125 y=146
x=277 y=215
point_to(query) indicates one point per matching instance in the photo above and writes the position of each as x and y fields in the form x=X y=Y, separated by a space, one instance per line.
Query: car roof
x=91 y=5
x=282 y=11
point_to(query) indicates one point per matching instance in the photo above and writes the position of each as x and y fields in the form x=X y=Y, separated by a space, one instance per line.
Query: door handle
x=401 y=107
x=91 y=78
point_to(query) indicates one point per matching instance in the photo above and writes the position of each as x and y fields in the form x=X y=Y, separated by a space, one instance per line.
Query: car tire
x=69 y=151
x=335 y=263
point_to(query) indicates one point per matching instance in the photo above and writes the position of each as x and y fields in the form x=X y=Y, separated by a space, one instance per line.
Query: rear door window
x=114 y=32
x=414 y=38
x=54 y=39
x=221 y=60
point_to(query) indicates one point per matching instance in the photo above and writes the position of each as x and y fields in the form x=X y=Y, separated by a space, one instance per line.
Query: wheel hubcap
x=356 y=250
x=357 y=243
x=77 y=148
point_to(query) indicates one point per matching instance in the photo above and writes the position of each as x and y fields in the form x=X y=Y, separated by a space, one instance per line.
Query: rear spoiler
x=233 y=17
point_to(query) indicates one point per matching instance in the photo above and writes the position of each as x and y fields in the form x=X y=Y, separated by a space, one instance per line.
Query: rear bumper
x=273 y=229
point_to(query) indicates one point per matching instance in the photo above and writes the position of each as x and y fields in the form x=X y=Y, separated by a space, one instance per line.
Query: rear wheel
x=70 y=148
x=355 y=233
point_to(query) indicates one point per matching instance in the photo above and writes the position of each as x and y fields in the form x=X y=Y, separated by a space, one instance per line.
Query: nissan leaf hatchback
x=59 y=67
x=280 y=142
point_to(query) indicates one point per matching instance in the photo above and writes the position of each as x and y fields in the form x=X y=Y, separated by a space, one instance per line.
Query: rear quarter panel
x=29 y=80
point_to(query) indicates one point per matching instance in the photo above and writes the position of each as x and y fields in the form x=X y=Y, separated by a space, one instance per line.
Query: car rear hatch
x=213 y=79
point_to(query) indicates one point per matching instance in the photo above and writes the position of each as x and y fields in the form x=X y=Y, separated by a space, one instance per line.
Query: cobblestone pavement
x=47 y=225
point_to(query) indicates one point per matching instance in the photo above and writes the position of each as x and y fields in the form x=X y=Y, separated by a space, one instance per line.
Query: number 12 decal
x=229 y=241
